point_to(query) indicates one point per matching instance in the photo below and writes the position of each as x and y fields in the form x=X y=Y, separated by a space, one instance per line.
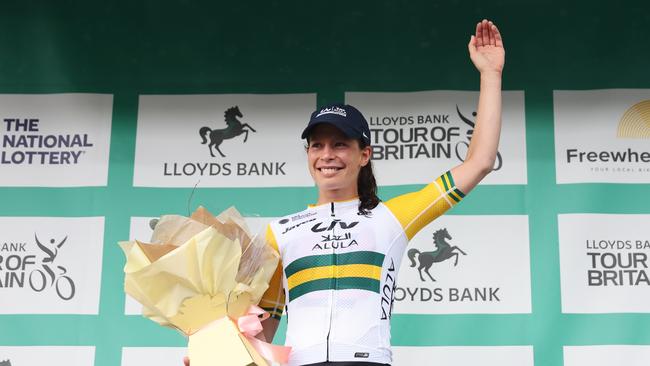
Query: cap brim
x=342 y=126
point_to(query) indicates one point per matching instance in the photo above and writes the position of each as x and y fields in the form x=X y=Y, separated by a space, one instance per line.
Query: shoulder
x=283 y=225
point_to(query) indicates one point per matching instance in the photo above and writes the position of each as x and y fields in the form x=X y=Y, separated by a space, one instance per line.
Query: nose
x=328 y=153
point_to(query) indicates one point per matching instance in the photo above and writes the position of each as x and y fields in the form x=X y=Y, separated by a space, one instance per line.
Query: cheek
x=312 y=159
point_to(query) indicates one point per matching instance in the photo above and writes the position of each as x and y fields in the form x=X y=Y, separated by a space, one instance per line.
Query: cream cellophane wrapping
x=198 y=269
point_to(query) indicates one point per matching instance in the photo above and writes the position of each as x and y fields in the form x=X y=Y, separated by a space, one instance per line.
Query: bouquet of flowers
x=204 y=275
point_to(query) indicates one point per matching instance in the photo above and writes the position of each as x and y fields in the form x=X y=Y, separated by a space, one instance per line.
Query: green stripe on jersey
x=459 y=193
x=344 y=283
x=451 y=179
x=312 y=261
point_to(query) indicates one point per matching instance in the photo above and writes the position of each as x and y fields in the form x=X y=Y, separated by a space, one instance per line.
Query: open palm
x=486 y=48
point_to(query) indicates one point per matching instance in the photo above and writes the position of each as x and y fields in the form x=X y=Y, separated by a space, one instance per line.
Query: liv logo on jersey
x=39 y=279
x=443 y=252
x=332 y=226
x=331 y=239
x=234 y=129
x=463 y=146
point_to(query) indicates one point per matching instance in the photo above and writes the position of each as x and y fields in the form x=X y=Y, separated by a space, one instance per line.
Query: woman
x=340 y=257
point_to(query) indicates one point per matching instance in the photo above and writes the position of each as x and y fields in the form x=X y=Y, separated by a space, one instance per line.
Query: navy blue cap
x=344 y=117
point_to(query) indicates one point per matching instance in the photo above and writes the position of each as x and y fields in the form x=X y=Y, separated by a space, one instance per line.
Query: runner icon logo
x=443 y=252
x=234 y=129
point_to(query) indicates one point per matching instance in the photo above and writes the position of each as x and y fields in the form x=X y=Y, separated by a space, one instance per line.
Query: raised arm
x=488 y=55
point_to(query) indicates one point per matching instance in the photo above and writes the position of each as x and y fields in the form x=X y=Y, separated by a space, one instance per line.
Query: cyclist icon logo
x=463 y=146
x=39 y=279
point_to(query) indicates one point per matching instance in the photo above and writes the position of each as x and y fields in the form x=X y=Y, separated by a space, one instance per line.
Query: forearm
x=485 y=138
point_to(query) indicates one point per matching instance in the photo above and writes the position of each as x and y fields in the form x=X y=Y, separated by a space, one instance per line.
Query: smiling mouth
x=329 y=170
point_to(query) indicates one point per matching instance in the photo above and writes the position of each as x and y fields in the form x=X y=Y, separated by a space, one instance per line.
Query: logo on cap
x=332 y=110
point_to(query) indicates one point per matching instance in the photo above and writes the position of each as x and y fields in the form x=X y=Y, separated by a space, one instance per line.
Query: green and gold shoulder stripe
x=447 y=182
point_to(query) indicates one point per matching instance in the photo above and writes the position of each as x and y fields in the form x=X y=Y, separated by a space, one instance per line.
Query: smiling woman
x=338 y=155
x=335 y=161
x=340 y=257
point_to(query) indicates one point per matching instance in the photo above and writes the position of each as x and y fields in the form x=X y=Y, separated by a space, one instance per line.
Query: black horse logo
x=443 y=252
x=234 y=129
x=5 y=363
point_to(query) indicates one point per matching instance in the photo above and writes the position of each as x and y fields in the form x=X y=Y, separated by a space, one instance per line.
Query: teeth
x=329 y=170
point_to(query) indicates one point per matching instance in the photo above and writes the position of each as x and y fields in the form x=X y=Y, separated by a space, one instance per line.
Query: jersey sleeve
x=417 y=209
x=273 y=299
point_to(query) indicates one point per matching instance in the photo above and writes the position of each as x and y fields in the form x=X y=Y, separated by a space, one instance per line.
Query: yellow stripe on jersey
x=273 y=299
x=348 y=270
x=417 y=209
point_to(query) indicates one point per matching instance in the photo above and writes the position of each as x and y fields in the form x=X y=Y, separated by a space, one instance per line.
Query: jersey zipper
x=329 y=331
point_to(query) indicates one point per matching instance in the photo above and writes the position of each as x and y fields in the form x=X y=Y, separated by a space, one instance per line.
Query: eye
x=340 y=144
x=315 y=145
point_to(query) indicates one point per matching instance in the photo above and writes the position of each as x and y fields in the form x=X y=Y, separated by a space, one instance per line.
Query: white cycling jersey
x=338 y=271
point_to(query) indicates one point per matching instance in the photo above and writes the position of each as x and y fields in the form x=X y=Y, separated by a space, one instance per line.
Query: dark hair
x=366 y=187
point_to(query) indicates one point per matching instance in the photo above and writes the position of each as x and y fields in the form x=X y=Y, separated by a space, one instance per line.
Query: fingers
x=485 y=33
x=491 y=33
x=479 y=34
x=497 y=36
x=186 y=361
x=471 y=46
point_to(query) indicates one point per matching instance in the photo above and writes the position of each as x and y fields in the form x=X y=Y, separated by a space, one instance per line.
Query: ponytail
x=366 y=187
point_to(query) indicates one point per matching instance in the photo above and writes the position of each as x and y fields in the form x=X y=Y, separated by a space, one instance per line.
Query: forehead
x=326 y=130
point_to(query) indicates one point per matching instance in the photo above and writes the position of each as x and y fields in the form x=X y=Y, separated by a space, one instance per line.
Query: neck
x=337 y=195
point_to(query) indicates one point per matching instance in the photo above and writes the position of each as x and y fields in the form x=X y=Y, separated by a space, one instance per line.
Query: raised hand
x=486 y=48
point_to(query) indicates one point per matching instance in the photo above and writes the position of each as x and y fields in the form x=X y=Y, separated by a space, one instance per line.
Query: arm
x=273 y=299
x=488 y=55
